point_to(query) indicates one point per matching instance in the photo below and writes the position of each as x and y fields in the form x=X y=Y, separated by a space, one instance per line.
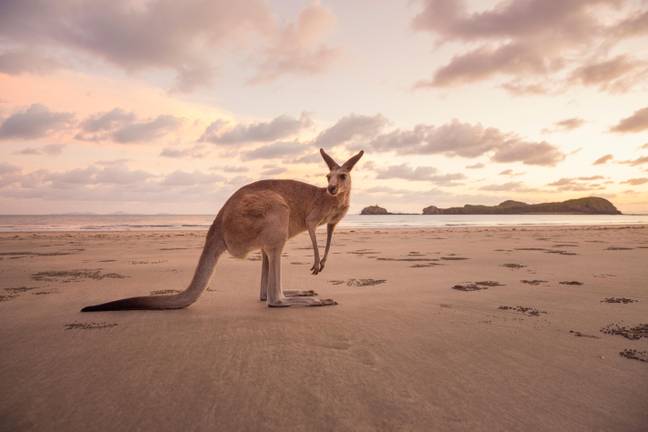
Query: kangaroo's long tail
x=214 y=247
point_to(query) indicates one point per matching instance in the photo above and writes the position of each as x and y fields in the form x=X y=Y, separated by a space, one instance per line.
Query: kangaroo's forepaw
x=299 y=293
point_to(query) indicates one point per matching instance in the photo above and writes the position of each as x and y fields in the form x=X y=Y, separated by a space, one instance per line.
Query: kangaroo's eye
x=343 y=176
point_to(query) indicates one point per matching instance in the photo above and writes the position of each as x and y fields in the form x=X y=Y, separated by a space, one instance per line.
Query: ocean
x=40 y=223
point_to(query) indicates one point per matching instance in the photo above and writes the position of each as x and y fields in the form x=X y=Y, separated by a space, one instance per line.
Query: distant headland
x=588 y=205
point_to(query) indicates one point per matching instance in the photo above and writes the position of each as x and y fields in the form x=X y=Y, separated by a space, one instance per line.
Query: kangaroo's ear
x=329 y=160
x=351 y=162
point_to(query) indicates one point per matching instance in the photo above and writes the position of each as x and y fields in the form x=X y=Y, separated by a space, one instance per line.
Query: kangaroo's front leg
x=329 y=236
x=316 y=258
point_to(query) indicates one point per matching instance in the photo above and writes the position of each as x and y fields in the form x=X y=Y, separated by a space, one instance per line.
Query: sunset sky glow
x=161 y=106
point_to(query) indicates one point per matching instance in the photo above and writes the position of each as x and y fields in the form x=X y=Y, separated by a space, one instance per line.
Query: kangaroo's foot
x=299 y=293
x=301 y=301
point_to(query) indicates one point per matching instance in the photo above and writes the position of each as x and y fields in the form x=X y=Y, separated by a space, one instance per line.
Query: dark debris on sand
x=533 y=282
x=89 y=325
x=579 y=334
x=513 y=266
x=365 y=282
x=529 y=311
x=633 y=333
x=623 y=300
x=634 y=354
x=570 y=283
x=476 y=286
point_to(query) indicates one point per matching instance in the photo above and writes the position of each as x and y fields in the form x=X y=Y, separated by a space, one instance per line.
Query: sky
x=160 y=106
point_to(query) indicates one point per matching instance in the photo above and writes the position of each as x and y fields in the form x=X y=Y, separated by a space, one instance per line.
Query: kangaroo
x=264 y=215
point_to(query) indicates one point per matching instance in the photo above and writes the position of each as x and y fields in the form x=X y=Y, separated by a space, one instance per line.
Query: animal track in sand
x=66 y=276
x=476 y=286
x=633 y=333
x=533 y=282
x=89 y=325
x=165 y=292
x=365 y=282
x=623 y=300
x=528 y=311
x=634 y=354
x=513 y=266
x=579 y=334
x=570 y=283
x=21 y=289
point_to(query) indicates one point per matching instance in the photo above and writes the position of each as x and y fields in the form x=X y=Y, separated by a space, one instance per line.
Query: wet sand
x=481 y=329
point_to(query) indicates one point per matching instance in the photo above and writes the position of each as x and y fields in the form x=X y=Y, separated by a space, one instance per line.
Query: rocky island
x=374 y=210
x=588 y=205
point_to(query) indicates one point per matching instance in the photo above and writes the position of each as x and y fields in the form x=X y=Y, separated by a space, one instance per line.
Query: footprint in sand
x=74 y=275
x=633 y=333
x=528 y=311
x=476 y=286
x=584 y=335
x=634 y=354
x=513 y=266
x=164 y=292
x=365 y=282
x=623 y=300
x=89 y=325
x=533 y=282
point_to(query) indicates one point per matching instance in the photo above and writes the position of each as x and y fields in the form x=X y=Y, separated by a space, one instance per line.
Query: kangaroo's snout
x=332 y=190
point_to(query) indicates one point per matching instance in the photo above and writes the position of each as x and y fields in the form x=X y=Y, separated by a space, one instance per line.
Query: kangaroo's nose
x=332 y=190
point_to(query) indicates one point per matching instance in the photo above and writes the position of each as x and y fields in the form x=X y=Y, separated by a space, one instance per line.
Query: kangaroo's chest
x=336 y=214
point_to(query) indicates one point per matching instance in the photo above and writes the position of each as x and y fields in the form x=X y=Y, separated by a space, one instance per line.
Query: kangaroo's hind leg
x=263 y=296
x=276 y=298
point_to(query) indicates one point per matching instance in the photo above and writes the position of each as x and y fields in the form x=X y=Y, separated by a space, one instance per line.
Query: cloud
x=16 y=62
x=123 y=127
x=636 y=181
x=603 y=159
x=634 y=25
x=275 y=150
x=273 y=170
x=49 y=149
x=510 y=172
x=298 y=47
x=509 y=186
x=351 y=127
x=578 y=184
x=475 y=166
x=613 y=75
x=195 y=152
x=526 y=39
x=278 y=128
x=466 y=140
x=184 y=178
x=114 y=182
x=637 y=122
x=33 y=122
x=568 y=124
x=421 y=173
x=146 y=130
x=159 y=35
x=484 y=62
x=639 y=161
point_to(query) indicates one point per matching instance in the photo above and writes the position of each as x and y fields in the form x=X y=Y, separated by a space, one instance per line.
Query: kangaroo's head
x=339 y=177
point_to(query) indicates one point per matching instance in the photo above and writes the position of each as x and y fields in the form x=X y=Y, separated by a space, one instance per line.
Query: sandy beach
x=480 y=329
